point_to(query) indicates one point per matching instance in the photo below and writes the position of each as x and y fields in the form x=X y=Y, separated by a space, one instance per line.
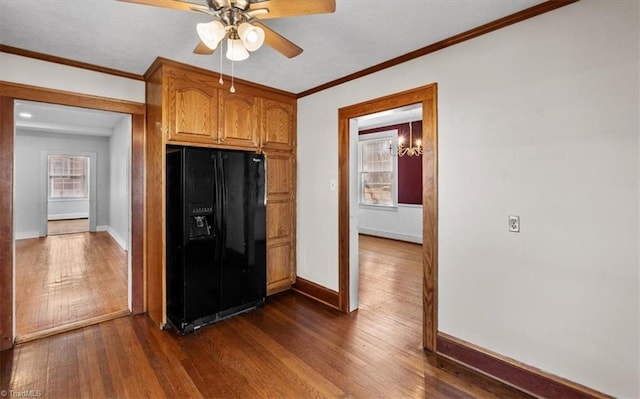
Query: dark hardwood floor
x=293 y=347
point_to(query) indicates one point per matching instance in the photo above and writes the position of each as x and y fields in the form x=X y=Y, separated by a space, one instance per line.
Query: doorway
x=9 y=94
x=82 y=158
x=388 y=179
x=348 y=201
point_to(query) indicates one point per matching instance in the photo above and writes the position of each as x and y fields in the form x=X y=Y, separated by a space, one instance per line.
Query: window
x=68 y=176
x=377 y=168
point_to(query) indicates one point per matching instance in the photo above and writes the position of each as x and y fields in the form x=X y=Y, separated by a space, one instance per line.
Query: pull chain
x=233 y=88
x=221 y=81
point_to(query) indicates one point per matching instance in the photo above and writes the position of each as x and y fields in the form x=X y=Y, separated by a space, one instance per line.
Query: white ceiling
x=52 y=118
x=389 y=117
x=128 y=37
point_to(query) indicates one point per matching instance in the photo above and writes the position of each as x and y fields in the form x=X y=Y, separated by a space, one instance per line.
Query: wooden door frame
x=427 y=96
x=9 y=92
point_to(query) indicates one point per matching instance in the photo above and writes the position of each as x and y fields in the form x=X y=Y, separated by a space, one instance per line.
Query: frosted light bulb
x=252 y=36
x=236 y=50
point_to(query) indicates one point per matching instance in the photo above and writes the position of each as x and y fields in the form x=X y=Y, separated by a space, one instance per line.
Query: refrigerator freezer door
x=202 y=274
x=174 y=238
x=192 y=274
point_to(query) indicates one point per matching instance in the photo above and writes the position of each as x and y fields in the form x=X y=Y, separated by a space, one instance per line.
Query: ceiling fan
x=236 y=21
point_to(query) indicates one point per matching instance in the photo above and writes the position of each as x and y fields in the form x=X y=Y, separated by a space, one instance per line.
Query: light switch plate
x=514 y=224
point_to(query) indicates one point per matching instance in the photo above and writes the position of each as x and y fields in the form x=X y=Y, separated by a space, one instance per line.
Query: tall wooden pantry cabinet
x=187 y=106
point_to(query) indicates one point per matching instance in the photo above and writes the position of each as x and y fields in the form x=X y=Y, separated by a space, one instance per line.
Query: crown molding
x=68 y=62
x=530 y=12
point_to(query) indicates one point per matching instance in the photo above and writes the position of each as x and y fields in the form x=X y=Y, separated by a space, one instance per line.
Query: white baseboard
x=391 y=234
x=62 y=216
x=27 y=234
x=114 y=234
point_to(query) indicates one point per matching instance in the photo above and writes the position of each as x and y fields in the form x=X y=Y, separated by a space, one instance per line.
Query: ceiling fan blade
x=289 y=8
x=173 y=4
x=279 y=42
x=202 y=49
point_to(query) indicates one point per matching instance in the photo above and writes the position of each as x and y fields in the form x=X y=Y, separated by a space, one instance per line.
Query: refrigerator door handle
x=221 y=186
x=216 y=210
x=266 y=183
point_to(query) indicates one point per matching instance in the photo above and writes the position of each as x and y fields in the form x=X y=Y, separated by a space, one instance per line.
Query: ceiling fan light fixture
x=236 y=51
x=211 y=33
x=252 y=36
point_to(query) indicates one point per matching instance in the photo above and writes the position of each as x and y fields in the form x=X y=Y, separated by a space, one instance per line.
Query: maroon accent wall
x=409 y=168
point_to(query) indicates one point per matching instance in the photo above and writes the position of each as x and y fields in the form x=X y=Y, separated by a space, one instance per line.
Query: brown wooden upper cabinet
x=239 y=116
x=200 y=111
x=278 y=125
x=192 y=109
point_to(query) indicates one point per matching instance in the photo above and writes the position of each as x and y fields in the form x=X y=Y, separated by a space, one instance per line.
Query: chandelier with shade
x=412 y=148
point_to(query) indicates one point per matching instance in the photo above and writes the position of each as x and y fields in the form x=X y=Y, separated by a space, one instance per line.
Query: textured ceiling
x=128 y=37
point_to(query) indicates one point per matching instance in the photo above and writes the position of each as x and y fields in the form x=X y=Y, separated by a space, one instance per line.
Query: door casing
x=427 y=96
x=9 y=92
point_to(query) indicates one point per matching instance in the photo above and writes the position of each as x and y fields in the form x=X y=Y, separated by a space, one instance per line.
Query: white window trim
x=393 y=135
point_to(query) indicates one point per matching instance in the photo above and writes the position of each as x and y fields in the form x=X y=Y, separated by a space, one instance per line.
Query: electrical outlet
x=514 y=224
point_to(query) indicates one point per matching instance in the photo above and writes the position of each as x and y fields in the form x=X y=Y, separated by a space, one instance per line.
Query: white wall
x=68 y=208
x=539 y=119
x=119 y=155
x=403 y=222
x=28 y=184
x=29 y=71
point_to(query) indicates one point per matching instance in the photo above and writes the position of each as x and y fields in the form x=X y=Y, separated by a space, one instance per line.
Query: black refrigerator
x=215 y=235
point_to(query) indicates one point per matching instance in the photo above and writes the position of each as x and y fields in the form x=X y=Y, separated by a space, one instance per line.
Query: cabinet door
x=192 y=111
x=281 y=221
x=239 y=116
x=280 y=274
x=280 y=168
x=278 y=125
